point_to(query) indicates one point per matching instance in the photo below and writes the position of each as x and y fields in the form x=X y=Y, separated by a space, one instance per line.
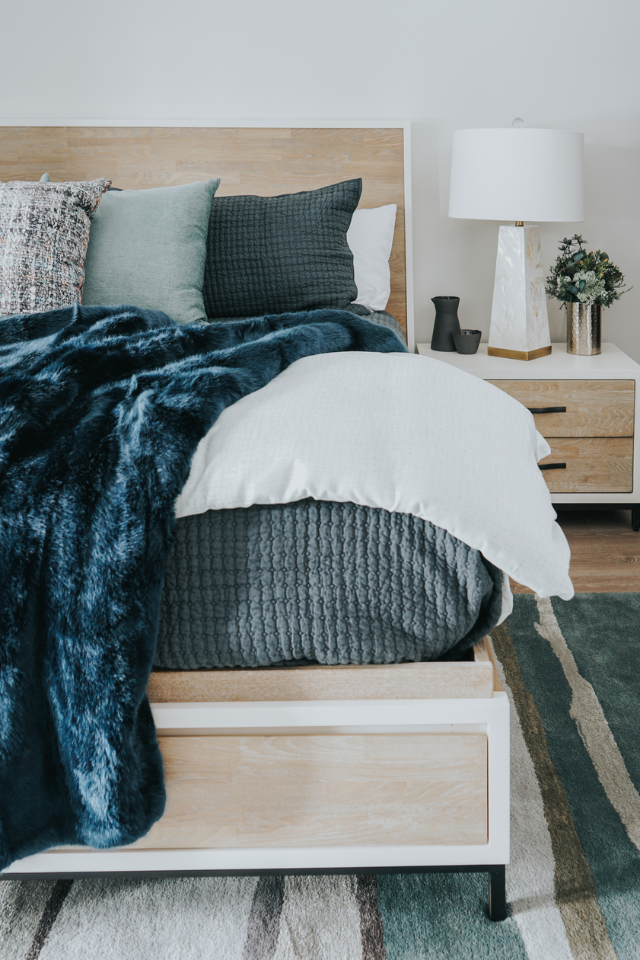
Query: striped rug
x=572 y=671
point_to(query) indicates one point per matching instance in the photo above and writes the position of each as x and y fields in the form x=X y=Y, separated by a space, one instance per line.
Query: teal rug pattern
x=572 y=673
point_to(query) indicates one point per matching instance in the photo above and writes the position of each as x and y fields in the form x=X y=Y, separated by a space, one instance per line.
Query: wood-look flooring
x=605 y=551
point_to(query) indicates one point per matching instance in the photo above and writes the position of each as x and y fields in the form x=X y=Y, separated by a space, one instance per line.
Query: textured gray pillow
x=147 y=248
x=44 y=231
x=279 y=254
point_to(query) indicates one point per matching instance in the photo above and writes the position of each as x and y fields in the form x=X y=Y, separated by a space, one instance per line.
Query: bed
x=296 y=766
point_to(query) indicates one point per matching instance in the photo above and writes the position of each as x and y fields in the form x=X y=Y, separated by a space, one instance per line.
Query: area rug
x=572 y=672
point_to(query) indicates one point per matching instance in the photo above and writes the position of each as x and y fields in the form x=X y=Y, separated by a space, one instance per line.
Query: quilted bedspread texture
x=320 y=581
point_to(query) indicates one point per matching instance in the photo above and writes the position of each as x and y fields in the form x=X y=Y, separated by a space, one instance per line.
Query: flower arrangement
x=581 y=277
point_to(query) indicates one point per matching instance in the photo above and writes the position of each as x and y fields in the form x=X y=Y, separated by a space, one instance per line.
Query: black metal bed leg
x=497 y=893
x=635 y=517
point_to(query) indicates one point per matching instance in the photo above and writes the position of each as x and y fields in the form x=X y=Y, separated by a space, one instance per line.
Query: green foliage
x=581 y=277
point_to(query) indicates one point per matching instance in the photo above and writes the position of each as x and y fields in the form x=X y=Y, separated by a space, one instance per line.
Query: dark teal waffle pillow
x=280 y=254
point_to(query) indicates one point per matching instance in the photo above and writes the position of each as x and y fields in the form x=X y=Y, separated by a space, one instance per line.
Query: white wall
x=454 y=63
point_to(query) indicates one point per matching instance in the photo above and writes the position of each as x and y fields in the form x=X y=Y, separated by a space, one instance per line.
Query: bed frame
x=361 y=769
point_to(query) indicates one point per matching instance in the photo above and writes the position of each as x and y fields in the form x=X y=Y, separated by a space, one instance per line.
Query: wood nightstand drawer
x=595 y=408
x=593 y=465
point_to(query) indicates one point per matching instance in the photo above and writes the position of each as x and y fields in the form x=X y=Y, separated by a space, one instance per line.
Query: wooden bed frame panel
x=407 y=681
x=338 y=789
x=323 y=790
x=259 y=160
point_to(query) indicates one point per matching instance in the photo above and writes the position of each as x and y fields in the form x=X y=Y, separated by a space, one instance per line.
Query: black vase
x=446 y=323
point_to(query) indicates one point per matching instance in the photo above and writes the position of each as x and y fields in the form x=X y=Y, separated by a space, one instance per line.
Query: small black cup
x=467 y=341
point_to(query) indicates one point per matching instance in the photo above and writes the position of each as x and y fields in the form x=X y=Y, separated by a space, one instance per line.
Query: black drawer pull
x=547 y=409
x=552 y=466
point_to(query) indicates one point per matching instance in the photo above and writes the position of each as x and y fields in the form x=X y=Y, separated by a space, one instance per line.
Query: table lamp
x=518 y=174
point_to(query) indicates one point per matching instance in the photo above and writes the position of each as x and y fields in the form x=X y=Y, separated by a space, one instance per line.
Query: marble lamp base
x=519 y=321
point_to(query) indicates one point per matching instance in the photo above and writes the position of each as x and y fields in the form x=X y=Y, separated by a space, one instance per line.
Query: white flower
x=593 y=289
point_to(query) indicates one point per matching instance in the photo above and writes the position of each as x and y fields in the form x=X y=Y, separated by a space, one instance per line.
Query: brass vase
x=583 y=328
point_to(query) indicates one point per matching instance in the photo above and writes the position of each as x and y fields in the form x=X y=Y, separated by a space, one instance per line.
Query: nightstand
x=586 y=407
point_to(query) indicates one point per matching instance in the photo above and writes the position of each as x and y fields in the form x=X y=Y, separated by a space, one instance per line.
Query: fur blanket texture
x=101 y=410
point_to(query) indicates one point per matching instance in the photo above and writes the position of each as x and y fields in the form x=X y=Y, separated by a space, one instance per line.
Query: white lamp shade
x=517 y=174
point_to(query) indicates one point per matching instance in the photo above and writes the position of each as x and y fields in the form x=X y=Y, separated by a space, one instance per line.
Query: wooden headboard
x=264 y=160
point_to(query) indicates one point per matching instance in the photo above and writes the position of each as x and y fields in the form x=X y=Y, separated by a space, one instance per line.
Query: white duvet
x=396 y=431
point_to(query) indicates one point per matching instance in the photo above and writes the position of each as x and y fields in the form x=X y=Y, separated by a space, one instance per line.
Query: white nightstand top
x=612 y=363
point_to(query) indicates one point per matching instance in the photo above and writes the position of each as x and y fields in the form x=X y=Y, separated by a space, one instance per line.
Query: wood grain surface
x=396 y=681
x=287 y=791
x=484 y=654
x=263 y=161
x=594 y=465
x=595 y=408
x=605 y=551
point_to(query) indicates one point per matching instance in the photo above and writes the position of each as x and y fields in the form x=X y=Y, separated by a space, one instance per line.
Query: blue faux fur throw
x=101 y=410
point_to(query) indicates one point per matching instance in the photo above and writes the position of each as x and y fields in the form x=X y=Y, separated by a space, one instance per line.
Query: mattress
x=323 y=582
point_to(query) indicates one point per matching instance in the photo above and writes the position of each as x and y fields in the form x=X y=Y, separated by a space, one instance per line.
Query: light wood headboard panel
x=257 y=160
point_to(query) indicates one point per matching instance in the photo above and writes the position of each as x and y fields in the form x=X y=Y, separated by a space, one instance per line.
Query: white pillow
x=370 y=238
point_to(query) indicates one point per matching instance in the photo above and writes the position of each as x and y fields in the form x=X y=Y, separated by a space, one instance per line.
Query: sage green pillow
x=147 y=248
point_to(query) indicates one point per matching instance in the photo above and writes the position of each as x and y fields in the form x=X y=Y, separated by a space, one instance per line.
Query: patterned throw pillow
x=44 y=232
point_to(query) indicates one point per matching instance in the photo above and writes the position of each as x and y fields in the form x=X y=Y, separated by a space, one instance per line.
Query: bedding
x=336 y=428
x=370 y=238
x=382 y=318
x=279 y=254
x=314 y=581
x=44 y=232
x=148 y=247
x=322 y=582
x=101 y=409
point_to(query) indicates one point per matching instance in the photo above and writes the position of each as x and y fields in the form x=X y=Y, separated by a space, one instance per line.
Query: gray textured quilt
x=318 y=581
